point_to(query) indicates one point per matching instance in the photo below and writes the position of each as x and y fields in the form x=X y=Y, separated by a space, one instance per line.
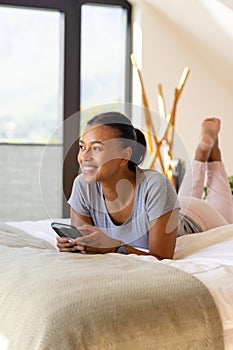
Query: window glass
x=31 y=103
x=103 y=55
x=31 y=48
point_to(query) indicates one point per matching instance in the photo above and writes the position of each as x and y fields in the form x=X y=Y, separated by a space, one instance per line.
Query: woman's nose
x=87 y=154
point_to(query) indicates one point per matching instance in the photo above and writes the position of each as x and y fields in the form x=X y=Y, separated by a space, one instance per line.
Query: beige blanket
x=63 y=301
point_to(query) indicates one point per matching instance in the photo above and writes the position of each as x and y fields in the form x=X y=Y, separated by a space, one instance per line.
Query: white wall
x=165 y=50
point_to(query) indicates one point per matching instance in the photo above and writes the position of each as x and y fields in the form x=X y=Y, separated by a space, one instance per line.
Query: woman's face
x=100 y=154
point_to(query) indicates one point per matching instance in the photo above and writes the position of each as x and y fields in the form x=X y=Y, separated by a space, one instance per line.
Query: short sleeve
x=161 y=196
x=79 y=197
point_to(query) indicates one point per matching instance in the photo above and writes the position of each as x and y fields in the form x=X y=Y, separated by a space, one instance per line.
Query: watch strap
x=122 y=249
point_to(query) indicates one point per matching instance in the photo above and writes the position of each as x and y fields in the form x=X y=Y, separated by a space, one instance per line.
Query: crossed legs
x=207 y=165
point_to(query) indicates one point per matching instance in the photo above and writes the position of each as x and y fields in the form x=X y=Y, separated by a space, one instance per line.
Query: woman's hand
x=69 y=245
x=93 y=241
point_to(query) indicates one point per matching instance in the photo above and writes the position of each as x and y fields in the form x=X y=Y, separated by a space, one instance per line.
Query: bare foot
x=215 y=154
x=208 y=140
x=209 y=131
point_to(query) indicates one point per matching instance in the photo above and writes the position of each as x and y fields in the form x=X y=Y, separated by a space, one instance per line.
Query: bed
x=52 y=300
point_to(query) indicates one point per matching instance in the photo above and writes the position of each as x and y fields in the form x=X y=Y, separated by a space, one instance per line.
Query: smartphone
x=66 y=231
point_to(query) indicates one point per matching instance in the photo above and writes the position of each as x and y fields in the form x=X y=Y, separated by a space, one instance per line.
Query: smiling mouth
x=89 y=169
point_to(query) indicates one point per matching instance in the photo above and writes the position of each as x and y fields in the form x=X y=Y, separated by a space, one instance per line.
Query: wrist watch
x=122 y=249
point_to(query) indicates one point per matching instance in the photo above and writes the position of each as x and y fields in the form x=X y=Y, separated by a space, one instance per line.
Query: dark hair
x=130 y=136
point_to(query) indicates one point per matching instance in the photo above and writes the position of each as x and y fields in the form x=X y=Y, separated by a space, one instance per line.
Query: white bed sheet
x=208 y=256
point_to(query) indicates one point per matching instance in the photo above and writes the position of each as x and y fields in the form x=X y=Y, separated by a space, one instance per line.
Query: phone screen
x=67 y=231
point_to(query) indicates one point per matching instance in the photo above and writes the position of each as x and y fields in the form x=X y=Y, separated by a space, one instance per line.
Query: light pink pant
x=217 y=210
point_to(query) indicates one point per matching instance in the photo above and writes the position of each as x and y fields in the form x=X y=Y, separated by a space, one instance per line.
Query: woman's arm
x=162 y=237
x=163 y=234
x=78 y=219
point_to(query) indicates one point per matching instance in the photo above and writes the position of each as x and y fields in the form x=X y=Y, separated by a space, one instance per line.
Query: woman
x=123 y=205
x=117 y=206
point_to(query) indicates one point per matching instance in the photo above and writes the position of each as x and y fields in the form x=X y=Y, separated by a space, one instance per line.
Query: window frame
x=71 y=92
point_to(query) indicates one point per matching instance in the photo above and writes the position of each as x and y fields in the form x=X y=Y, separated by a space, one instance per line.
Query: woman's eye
x=97 y=149
x=81 y=147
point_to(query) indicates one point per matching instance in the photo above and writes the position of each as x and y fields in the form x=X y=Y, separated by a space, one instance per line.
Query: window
x=103 y=54
x=103 y=58
x=31 y=66
x=46 y=68
x=31 y=108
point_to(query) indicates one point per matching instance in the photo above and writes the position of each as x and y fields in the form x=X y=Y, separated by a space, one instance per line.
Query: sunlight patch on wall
x=222 y=14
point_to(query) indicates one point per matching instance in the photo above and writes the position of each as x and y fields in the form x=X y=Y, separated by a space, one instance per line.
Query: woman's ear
x=127 y=154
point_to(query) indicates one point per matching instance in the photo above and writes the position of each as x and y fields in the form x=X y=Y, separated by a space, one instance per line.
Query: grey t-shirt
x=154 y=197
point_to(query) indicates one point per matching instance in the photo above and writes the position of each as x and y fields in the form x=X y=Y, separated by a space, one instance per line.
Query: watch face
x=122 y=250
